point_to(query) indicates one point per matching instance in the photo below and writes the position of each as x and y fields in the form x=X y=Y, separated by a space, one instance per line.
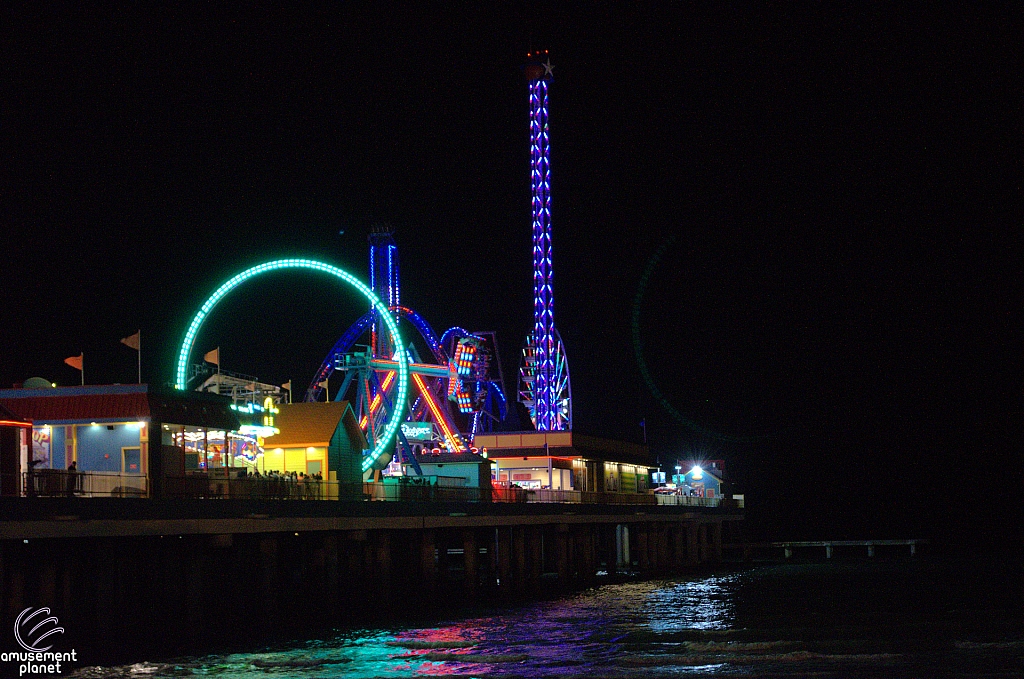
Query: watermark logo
x=36 y=630
x=46 y=627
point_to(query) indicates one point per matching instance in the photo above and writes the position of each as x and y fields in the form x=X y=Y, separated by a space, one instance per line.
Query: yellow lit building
x=315 y=438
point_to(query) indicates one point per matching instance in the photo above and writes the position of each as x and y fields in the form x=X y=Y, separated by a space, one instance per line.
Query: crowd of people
x=283 y=485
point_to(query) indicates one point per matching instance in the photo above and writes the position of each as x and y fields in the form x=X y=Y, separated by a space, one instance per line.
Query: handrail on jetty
x=829 y=545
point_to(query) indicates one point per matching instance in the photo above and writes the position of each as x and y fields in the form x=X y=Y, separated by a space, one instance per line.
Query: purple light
x=543 y=300
x=544 y=374
x=383 y=281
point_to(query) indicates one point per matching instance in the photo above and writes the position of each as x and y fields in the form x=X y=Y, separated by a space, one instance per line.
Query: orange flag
x=213 y=356
x=134 y=341
x=75 y=361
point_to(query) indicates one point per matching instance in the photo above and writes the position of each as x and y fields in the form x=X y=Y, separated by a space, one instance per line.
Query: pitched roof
x=307 y=424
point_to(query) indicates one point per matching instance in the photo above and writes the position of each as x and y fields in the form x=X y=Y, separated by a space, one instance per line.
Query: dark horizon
x=837 y=312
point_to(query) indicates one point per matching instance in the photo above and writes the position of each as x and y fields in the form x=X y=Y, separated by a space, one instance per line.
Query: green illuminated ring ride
x=402 y=386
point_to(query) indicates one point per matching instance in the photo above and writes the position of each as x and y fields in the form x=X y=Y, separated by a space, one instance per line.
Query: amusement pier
x=406 y=476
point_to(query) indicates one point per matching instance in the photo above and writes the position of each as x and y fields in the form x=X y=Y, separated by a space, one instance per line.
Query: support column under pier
x=589 y=560
x=609 y=547
x=519 y=561
x=428 y=563
x=268 y=575
x=678 y=537
x=332 y=570
x=470 y=555
x=503 y=557
x=692 y=543
x=623 y=557
x=380 y=575
x=354 y=545
x=642 y=533
x=702 y=542
x=535 y=541
x=664 y=553
x=563 y=547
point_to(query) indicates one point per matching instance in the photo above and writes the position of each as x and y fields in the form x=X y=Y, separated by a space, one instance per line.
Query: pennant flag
x=287 y=385
x=213 y=357
x=133 y=341
x=322 y=384
x=75 y=361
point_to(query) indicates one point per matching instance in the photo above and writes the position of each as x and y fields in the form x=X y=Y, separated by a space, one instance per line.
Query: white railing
x=688 y=501
x=549 y=495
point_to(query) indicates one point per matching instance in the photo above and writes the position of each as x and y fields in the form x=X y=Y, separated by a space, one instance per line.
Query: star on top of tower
x=548 y=67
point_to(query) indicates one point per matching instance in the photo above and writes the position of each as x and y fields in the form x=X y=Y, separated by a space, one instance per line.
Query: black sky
x=843 y=185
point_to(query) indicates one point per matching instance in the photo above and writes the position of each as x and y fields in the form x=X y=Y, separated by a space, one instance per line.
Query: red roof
x=92 y=407
x=9 y=419
x=120 y=403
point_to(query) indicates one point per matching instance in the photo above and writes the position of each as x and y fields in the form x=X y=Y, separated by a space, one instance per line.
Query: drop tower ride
x=544 y=386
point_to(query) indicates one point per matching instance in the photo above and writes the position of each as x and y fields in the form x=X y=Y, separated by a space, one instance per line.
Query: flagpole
x=83 y=368
x=139 y=352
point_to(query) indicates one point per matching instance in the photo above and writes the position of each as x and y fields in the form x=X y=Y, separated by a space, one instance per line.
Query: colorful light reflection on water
x=827 y=621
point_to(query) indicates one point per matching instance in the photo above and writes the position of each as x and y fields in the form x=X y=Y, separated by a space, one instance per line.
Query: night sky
x=836 y=313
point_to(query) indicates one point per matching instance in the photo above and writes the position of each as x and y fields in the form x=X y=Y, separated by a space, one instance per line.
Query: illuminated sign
x=269 y=409
x=418 y=431
x=41 y=445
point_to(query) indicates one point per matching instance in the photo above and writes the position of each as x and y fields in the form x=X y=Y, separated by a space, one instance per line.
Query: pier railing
x=57 y=483
x=693 y=501
x=200 y=486
x=60 y=482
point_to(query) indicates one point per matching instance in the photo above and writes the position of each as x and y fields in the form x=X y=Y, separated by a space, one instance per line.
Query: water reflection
x=723 y=625
x=577 y=636
x=698 y=605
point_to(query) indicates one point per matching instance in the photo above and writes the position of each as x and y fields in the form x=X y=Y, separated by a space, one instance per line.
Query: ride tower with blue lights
x=455 y=387
x=384 y=282
x=544 y=386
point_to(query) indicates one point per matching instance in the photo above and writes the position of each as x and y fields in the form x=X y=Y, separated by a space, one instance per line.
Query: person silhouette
x=72 y=480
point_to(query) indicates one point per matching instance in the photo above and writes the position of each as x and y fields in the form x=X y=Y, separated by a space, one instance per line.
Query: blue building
x=702 y=481
x=122 y=438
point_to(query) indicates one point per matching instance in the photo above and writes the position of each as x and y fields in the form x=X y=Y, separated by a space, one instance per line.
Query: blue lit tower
x=383 y=282
x=544 y=375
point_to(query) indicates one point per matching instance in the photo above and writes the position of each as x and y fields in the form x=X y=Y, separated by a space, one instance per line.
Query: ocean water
x=920 y=617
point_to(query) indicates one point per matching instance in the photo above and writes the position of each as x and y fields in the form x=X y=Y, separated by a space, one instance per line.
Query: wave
x=749 y=659
x=144 y=669
x=414 y=645
x=466 y=657
x=295 y=662
x=988 y=645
